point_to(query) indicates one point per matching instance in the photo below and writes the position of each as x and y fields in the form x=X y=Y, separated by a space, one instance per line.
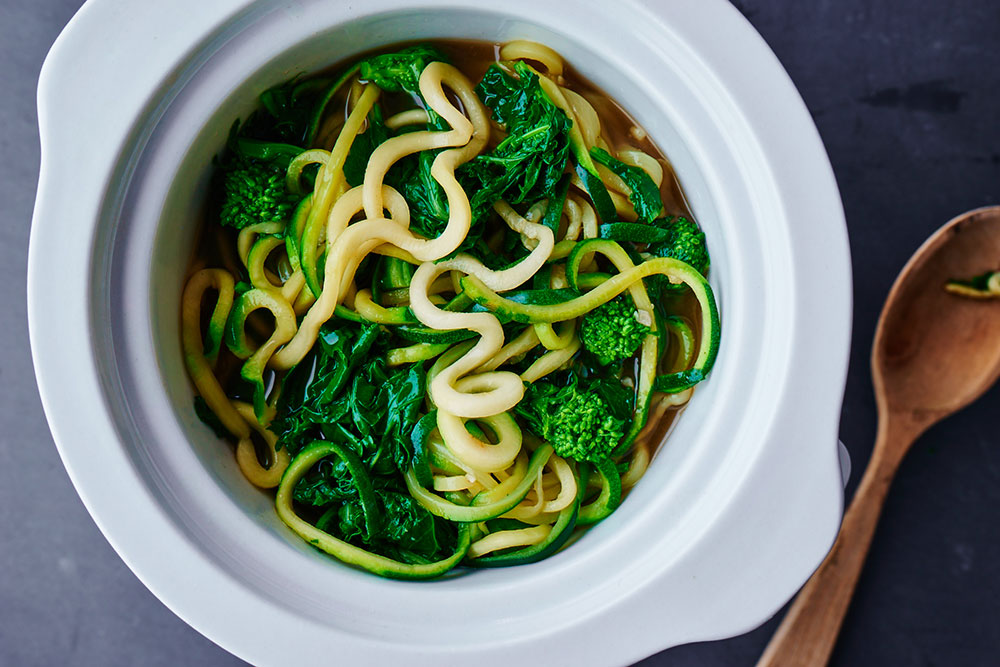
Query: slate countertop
x=906 y=95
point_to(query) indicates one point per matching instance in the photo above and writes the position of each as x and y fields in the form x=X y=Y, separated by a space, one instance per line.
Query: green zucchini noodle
x=457 y=312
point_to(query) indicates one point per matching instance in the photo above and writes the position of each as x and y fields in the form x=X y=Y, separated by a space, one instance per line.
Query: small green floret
x=252 y=193
x=584 y=430
x=577 y=419
x=686 y=243
x=611 y=331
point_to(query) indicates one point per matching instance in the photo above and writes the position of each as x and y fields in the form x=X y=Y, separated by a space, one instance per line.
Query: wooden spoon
x=934 y=353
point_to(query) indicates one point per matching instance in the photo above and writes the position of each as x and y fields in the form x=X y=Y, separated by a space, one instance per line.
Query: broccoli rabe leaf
x=312 y=390
x=644 y=195
x=363 y=147
x=286 y=112
x=400 y=71
x=428 y=205
x=527 y=164
x=329 y=481
x=404 y=393
x=343 y=392
x=406 y=526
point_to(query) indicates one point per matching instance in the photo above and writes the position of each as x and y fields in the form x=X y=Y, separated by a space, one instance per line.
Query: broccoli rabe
x=686 y=243
x=254 y=192
x=583 y=420
x=612 y=332
x=401 y=70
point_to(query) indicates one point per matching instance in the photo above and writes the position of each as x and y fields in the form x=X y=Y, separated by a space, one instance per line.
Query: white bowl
x=734 y=514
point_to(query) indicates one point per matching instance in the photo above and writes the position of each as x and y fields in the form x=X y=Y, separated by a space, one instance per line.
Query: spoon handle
x=809 y=630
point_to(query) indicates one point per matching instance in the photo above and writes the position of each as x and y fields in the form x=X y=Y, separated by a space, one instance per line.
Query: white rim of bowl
x=74 y=386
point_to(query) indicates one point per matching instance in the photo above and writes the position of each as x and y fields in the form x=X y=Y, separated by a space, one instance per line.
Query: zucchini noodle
x=454 y=314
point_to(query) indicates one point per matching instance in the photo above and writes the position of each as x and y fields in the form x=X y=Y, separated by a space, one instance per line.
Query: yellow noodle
x=646 y=162
x=637 y=466
x=574 y=216
x=193 y=345
x=585 y=117
x=588 y=219
x=623 y=206
x=452 y=483
x=248 y=236
x=567 y=485
x=329 y=131
x=550 y=339
x=330 y=184
x=505 y=539
x=469 y=134
x=476 y=453
x=522 y=49
x=551 y=361
x=678 y=399
x=524 y=342
x=246 y=454
x=292 y=287
x=558 y=278
x=404 y=118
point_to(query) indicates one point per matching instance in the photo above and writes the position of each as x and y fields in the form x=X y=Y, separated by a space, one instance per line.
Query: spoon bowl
x=934 y=353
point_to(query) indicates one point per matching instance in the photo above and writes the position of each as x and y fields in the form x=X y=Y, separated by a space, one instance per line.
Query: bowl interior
x=173 y=243
x=145 y=243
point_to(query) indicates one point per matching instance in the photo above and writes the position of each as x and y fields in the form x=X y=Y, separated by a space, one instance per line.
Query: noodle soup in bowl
x=737 y=507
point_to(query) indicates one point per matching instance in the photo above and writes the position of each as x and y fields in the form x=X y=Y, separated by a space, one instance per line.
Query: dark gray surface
x=906 y=94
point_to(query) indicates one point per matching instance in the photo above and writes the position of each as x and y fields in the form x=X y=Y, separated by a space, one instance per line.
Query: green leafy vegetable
x=312 y=390
x=329 y=481
x=530 y=161
x=343 y=392
x=644 y=195
x=400 y=71
x=363 y=147
x=407 y=529
x=428 y=204
x=286 y=112
x=277 y=155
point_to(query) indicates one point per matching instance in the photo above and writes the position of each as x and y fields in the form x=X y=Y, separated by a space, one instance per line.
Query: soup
x=447 y=301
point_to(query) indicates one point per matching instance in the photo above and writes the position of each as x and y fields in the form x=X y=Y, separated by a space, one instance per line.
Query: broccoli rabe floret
x=253 y=192
x=582 y=420
x=686 y=243
x=612 y=332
